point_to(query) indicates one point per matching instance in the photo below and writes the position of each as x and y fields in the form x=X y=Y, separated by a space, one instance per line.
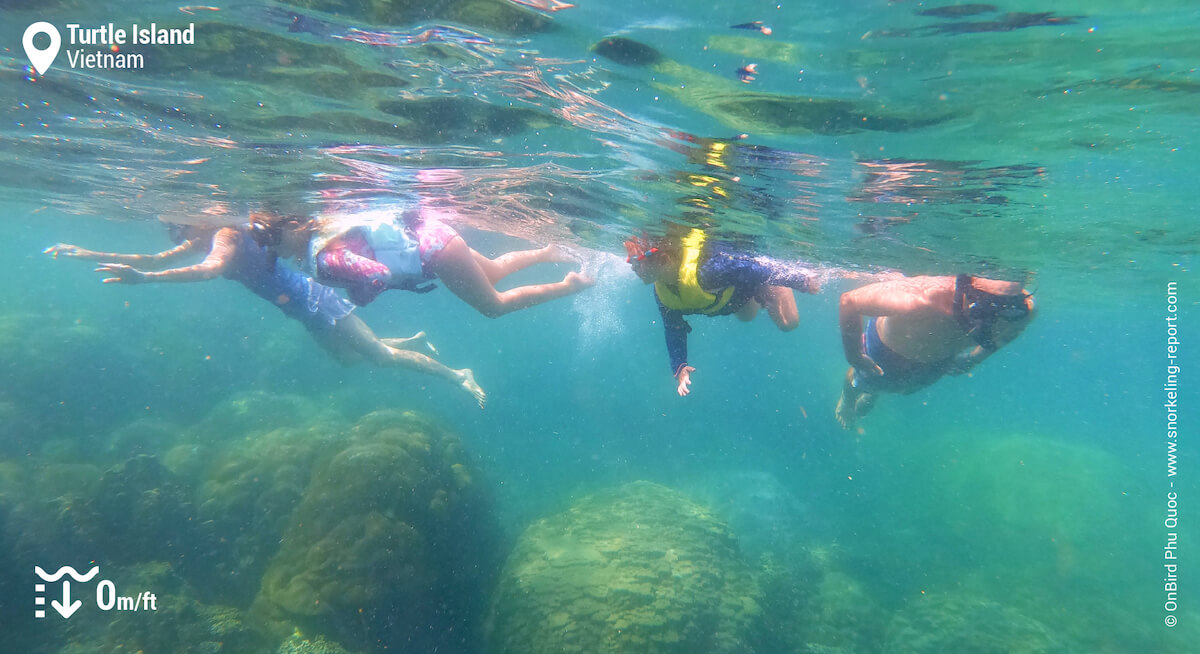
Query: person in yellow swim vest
x=697 y=275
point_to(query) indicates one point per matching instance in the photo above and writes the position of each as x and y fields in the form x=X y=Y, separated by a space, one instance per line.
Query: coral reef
x=73 y=514
x=179 y=623
x=257 y=412
x=812 y=604
x=637 y=569
x=388 y=548
x=137 y=512
x=765 y=515
x=40 y=503
x=298 y=644
x=387 y=532
x=966 y=623
x=13 y=478
x=143 y=436
x=246 y=498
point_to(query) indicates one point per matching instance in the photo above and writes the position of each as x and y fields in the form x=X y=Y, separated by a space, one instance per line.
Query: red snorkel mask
x=637 y=249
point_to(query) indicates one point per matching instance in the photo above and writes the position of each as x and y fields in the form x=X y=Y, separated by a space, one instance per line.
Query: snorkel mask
x=265 y=235
x=267 y=229
x=637 y=249
x=640 y=256
x=978 y=310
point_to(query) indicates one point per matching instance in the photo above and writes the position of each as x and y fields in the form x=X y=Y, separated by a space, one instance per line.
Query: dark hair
x=267 y=229
x=177 y=233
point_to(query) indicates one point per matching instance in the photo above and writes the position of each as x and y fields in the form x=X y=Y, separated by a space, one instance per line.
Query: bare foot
x=845 y=414
x=555 y=253
x=844 y=418
x=864 y=404
x=414 y=343
x=577 y=281
x=467 y=381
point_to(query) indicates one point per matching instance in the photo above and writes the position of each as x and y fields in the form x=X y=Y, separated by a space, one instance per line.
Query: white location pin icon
x=41 y=59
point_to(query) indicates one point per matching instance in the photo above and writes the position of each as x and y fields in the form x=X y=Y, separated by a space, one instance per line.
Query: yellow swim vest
x=689 y=297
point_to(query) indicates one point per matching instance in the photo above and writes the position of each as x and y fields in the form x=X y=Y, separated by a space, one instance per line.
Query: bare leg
x=866 y=401
x=853 y=403
x=781 y=306
x=510 y=262
x=352 y=334
x=459 y=269
x=417 y=342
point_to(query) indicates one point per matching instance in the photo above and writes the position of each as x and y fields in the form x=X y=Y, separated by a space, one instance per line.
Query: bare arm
x=882 y=299
x=851 y=321
x=147 y=261
x=224 y=246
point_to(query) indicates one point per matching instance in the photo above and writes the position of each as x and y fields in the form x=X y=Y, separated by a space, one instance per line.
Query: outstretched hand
x=121 y=274
x=684 y=377
x=66 y=250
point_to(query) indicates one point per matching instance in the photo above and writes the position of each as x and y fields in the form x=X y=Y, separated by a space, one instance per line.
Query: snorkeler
x=405 y=247
x=922 y=328
x=696 y=276
x=233 y=253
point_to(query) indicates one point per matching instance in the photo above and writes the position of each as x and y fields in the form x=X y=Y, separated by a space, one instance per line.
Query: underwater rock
x=143 y=436
x=810 y=604
x=761 y=511
x=38 y=527
x=138 y=511
x=188 y=460
x=391 y=544
x=256 y=412
x=967 y=623
x=178 y=622
x=11 y=478
x=246 y=498
x=40 y=503
x=637 y=569
x=71 y=514
x=14 y=477
x=298 y=644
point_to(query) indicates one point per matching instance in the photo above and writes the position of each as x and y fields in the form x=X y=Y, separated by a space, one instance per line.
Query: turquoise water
x=1018 y=510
